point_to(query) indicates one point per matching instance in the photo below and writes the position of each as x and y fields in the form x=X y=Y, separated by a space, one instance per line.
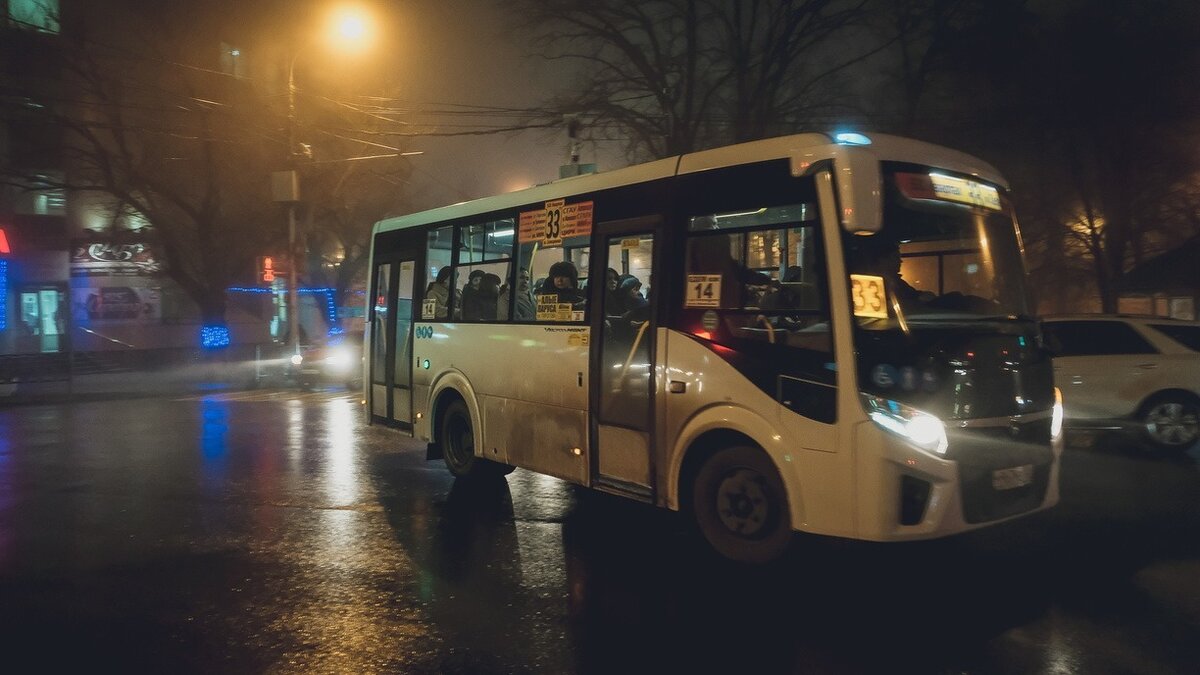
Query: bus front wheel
x=740 y=505
x=458 y=445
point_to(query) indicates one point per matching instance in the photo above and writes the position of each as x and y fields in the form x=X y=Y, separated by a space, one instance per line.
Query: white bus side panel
x=819 y=479
x=526 y=385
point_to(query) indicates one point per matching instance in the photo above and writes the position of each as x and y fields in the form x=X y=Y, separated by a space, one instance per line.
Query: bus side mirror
x=859 y=185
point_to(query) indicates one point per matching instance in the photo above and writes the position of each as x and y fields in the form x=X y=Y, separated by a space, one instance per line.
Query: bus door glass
x=402 y=372
x=391 y=341
x=624 y=374
x=381 y=338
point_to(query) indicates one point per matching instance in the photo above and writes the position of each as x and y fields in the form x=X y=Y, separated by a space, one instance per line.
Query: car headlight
x=340 y=359
x=919 y=428
x=1056 y=418
x=297 y=359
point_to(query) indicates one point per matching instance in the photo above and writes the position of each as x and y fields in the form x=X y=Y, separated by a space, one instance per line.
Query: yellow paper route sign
x=556 y=221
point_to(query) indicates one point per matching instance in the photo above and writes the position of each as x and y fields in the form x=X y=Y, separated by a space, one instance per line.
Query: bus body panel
x=716 y=397
x=538 y=400
x=883 y=459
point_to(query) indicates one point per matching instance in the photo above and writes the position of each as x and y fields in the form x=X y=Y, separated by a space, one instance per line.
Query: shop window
x=39 y=15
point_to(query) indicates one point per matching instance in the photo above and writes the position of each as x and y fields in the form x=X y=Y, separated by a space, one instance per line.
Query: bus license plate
x=1012 y=478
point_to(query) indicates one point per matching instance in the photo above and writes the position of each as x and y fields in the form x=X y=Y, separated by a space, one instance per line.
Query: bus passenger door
x=623 y=349
x=391 y=341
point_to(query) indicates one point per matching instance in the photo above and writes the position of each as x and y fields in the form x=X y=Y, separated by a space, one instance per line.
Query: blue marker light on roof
x=851 y=138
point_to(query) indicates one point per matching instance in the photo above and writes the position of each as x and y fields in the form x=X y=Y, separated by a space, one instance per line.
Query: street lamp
x=350 y=30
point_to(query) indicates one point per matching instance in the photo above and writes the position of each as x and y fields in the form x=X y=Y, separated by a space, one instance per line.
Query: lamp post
x=348 y=27
x=294 y=258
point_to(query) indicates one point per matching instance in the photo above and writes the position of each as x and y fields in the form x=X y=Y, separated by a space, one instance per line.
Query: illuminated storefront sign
x=109 y=259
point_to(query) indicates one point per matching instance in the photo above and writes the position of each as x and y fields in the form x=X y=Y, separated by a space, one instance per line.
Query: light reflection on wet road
x=225 y=535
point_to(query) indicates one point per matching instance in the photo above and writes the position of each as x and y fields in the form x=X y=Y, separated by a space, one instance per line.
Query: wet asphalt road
x=274 y=532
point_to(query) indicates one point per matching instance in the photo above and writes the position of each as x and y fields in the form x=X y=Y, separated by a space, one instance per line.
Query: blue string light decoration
x=3 y=294
x=214 y=337
x=330 y=304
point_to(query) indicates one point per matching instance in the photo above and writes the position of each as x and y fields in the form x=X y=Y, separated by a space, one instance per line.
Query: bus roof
x=811 y=147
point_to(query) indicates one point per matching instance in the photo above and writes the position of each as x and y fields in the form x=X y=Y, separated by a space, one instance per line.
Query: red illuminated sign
x=4 y=249
x=268 y=269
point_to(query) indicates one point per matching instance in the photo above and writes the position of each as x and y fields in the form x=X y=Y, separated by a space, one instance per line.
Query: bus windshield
x=948 y=251
x=941 y=283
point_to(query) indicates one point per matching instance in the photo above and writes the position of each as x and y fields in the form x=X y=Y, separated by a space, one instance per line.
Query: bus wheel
x=458 y=440
x=458 y=446
x=740 y=505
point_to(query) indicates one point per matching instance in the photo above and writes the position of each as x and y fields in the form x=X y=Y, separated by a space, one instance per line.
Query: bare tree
x=672 y=76
x=182 y=146
x=152 y=125
x=1073 y=100
x=922 y=40
x=358 y=182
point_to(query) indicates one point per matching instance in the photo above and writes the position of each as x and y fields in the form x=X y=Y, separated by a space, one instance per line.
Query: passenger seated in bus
x=480 y=304
x=439 y=291
x=472 y=307
x=629 y=296
x=524 y=305
x=562 y=282
x=611 y=280
x=489 y=297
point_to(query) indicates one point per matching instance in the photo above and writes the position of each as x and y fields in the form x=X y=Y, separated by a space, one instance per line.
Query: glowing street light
x=349 y=28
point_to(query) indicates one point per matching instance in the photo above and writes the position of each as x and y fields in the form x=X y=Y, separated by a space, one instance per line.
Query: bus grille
x=982 y=451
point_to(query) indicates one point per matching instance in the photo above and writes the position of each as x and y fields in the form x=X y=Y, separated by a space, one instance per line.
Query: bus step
x=624 y=488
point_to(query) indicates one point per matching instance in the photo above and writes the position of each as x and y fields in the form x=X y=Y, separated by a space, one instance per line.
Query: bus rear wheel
x=740 y=505
x=458 y=445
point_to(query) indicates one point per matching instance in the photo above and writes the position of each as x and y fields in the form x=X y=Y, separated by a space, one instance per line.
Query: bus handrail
x=637 y=341
x=770 y=329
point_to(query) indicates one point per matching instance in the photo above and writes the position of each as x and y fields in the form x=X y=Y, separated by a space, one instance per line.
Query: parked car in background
x=1130 y=373
x=339 y=362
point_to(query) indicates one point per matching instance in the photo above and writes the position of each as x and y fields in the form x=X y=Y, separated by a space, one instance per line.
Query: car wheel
x=740 y=505
x=1171 y=421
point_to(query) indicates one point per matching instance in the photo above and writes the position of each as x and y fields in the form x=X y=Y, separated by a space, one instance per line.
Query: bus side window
x=762 y=271
x=482 y=271
x=558 y=277
x=478 y=291
x=435 y=302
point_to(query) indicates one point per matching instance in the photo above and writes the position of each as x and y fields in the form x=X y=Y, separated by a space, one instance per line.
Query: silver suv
x=1134 y=373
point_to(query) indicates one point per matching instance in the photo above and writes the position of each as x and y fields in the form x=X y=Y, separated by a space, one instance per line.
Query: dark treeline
x=1089 y=107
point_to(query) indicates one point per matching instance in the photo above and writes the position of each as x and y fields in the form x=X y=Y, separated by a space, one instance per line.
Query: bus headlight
x=919 y=428
x=1056 y=418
